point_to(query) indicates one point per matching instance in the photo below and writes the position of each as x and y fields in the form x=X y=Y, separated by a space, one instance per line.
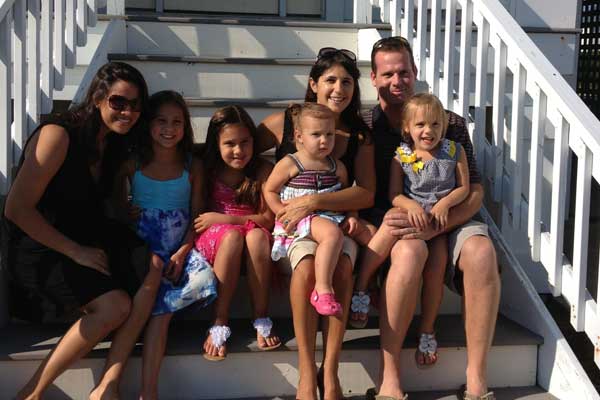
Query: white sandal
x=218 y=336
x=428 y=349
x=263 y=327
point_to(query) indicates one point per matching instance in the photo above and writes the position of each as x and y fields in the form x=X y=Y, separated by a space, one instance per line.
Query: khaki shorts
x=305 y=247
x=456 y=240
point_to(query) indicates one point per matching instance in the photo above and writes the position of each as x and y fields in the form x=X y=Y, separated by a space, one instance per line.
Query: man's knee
x=410 y=251
x=478 y=259
x=408 y=260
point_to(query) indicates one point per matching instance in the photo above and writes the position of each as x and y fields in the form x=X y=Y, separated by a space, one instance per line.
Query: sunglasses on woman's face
x=121 y=103
x=331 y=51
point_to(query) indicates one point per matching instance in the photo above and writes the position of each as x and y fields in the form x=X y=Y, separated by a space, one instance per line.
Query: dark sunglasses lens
x=349 y=54
x=120 y=103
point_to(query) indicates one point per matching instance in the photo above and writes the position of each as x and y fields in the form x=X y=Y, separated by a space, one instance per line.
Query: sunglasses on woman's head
x=330 y=51
x=121 y=103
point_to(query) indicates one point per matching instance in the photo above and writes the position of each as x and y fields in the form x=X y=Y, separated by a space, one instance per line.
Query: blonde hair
x=315 y=110
x=433 y=107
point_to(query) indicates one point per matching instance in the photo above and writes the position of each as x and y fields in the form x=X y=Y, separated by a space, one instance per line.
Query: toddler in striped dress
x=311 y=170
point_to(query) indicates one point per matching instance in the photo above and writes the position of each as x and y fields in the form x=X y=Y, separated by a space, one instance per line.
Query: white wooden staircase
x=263 y=63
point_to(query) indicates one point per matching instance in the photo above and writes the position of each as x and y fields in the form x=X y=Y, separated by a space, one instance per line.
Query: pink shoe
x=325 y=303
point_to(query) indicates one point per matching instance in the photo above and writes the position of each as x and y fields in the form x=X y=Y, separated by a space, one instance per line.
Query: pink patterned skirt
x=209 y=241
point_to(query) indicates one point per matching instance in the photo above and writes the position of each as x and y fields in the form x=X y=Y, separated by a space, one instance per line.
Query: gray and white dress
x=427 y=182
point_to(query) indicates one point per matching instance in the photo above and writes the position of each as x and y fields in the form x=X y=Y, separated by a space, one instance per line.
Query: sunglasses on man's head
x=121 y=103
x=331 y=51
x=393 y=40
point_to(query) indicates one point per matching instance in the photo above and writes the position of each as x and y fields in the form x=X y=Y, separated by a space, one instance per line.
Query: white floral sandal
x=359 y=305
x=218 y=335
x=427 y=349
x=263 y=327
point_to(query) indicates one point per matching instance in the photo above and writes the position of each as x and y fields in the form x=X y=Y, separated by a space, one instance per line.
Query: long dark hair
x=185 y=145
x=249 y=191
x=85 y=119
x=351 y=115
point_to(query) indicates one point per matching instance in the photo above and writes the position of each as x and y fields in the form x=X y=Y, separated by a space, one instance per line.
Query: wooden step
x=249 y=372
x=512 y=393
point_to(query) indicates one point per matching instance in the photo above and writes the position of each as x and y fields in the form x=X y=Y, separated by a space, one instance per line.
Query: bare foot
x=268 y=343
x=329 y=387
x=307 y=388
x=105 y=392
x=27 y=394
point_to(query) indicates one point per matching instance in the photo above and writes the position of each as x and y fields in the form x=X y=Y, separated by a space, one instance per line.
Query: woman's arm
x=270 y=132
x=124 y=210
x=44 y=156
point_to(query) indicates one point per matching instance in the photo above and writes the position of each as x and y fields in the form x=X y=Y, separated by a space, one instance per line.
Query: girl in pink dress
x=237 y=224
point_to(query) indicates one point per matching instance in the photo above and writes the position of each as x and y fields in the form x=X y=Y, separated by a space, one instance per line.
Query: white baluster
x=46 y=57
x=59 y=44
x=92 y=16
x=433 y=63
x=516 y=142
x=81 y=23
x=581 y=234
x=33 y=64
x=559 y=197
x=498 y=114
x=447 y=90
x=20 y=76
x=483 y=45
x=70 y=34
x=420 y=47
x=362 y=12
x=385 y=11
x=406 y=26
x=395 y=16
x=538 y=127
x=5 y=103
x=464 y=82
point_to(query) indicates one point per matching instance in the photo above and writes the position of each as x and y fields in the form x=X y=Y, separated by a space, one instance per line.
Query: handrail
x=555 y=104
x=45 y=35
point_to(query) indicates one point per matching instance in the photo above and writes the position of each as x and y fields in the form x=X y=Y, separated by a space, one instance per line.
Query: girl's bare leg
x=330 y=239
x=259 y=268
x=227 y=271
x=128 y=333
x=433 y=289
x=333 y=331
x=103 y=315
x=373 y=255
x=305 y=327
x=155 y=342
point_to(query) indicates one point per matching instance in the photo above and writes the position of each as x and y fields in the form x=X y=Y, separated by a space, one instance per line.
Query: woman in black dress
x=59 y=247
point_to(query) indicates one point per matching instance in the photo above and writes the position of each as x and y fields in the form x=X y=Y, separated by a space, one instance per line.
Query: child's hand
x=350 y=225
x=206 y=220
x=440 y=215
x=417 y=216
x=173 y=270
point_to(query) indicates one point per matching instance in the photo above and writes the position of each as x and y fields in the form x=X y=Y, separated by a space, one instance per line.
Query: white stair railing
x=576 y=129
x=44 y=36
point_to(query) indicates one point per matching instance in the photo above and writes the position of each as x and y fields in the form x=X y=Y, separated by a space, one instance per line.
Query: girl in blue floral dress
x=428 y=176
x=166 y=188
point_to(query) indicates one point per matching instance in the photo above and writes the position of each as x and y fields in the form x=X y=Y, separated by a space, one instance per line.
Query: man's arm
x=462 y=213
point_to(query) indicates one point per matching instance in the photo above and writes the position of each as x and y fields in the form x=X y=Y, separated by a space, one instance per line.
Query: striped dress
x=307 y=182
